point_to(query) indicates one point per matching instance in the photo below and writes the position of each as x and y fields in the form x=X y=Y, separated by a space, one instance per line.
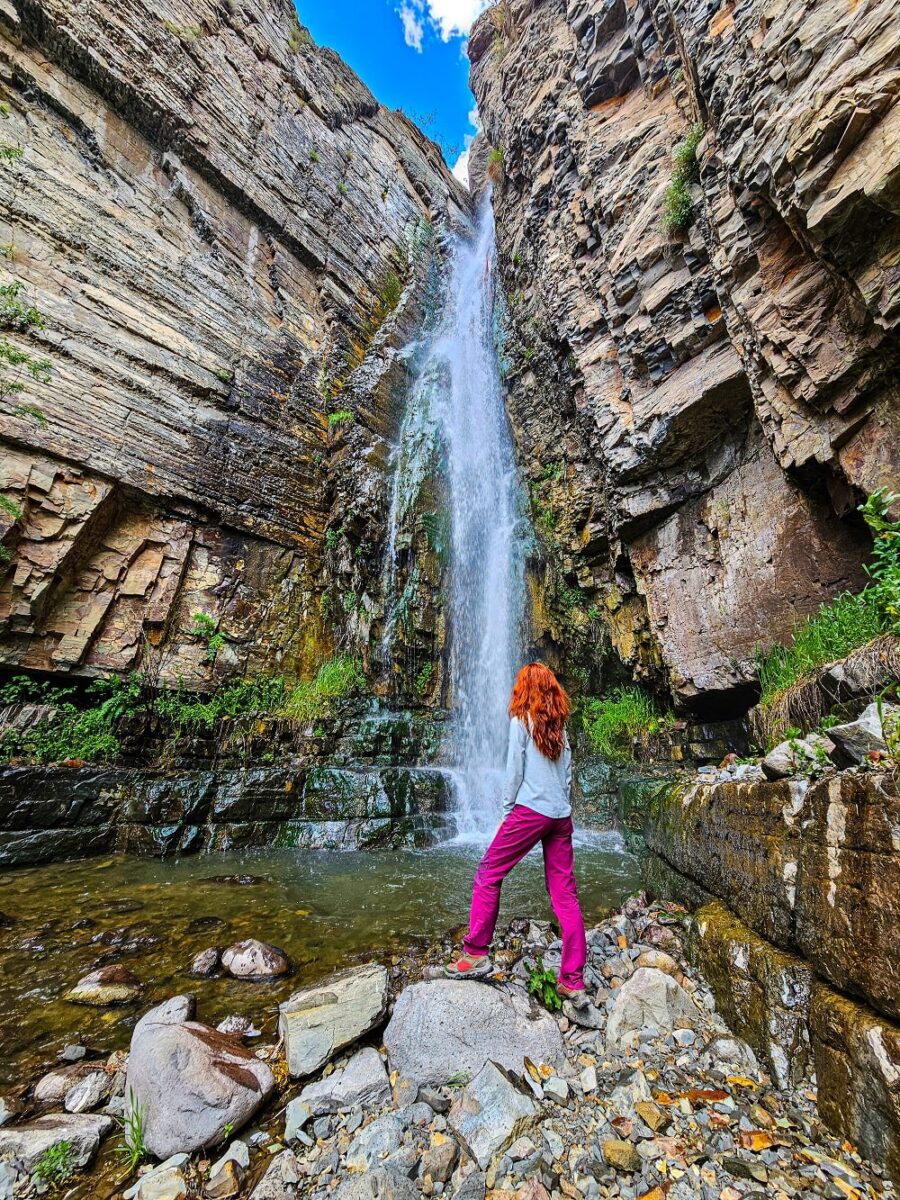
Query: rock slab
x=491 y=1113
x=363 y=1082
x=26 y=1144
x=443 y=1027
x=318 y=1022
x=649 y=998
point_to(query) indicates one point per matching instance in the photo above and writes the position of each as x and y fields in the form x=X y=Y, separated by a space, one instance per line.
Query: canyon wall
x=222 y=239
x=699 y=411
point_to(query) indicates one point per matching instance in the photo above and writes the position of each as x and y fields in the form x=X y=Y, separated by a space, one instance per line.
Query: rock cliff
x=706 y=380
x=220 y=237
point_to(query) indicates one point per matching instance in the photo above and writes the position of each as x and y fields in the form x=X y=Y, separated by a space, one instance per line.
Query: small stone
x=375 y=1142
x=652 y=1115
x=621 y=1155
x=225 y=1182
x=110 y=985
x=433 y=1098
x=296 y=1116
x=684 y=1037
x=73 y=1053
x=557 y=1089
x=440 y=1159
x=88 y=1093
x=206 y=962
x=588 y=1079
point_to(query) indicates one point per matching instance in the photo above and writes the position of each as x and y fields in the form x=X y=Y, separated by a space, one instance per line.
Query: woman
x=537 y=809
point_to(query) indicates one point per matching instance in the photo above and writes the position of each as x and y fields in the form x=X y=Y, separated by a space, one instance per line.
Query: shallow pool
x=324 y=909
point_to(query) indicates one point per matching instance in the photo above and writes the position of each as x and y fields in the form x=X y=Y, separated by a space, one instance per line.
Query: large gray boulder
x=857 y=739
x=649 y=998
x=362 y=1083
x=319 y=1021
x=491 y=1113
x=445 y=1027
x=189 y=1082
x=25 y=1144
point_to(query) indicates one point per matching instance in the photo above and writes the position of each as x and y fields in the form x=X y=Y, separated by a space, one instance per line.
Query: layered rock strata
x=801 y=955
x=226 y=237
x=699 y=410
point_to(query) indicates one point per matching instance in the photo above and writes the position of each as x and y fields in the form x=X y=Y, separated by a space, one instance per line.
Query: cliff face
x=225 y=236
x=714 y=401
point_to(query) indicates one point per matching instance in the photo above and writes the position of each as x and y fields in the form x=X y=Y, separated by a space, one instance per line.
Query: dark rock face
x=207 y=215
x=48 y=813
x=712 y=402
x=813 y=868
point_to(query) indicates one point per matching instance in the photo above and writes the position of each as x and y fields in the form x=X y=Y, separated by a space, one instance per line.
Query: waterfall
x=455 y=428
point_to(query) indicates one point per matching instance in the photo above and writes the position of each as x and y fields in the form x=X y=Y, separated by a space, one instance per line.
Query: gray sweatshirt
x=533 y=779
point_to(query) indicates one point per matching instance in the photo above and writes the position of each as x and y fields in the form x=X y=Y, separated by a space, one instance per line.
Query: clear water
x=324 y=909
x=455 y=428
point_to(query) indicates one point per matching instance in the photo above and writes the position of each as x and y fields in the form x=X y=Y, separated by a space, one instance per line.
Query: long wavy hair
x=539 y=701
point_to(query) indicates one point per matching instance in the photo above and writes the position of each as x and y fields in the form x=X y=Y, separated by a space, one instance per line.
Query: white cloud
x=454 y=18
x=461 y=168
x=413 y=29
x=449 y=18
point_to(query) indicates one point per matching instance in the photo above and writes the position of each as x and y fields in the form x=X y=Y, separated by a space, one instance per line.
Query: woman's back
x=540 y=783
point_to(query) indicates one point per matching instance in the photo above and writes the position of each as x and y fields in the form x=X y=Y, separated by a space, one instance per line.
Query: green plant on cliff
x=336 y=679
x=73 y=732
x=206 y=628
x=298 y=37
x=18 y=316
x=495 y=160
x=613 y=723
x=678 y=208
x=850 y=620
x=343 y=416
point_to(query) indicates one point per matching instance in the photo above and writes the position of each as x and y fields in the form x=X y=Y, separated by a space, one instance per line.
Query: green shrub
x=206 y=628
x=314 y=155
x=21 y=317
x=542 y=984
x=341 y=417
x=884 y=570
x=678 y=208
x=298 y=37
x=423 y=679
x=613 y=723
x=56 y=1165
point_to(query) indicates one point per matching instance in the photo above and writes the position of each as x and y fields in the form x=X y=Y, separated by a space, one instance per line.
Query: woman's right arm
x=515 y=764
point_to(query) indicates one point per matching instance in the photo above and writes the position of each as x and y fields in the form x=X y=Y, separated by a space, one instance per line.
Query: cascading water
x=456 y=426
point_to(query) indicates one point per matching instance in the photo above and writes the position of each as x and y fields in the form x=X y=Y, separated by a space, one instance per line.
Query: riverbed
x=325 y=910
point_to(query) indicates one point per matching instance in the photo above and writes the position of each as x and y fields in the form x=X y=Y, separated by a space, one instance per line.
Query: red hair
x=541 y=704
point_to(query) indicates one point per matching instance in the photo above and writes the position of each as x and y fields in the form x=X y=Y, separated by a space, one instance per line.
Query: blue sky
x=411 y=53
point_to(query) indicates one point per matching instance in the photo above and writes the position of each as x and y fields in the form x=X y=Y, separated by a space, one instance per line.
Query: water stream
x=456 y=425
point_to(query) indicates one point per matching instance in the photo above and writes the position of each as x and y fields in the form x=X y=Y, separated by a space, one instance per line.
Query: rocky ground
x=471 y=1089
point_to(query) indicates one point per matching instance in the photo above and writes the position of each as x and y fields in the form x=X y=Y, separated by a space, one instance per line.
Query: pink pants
x=519 y=833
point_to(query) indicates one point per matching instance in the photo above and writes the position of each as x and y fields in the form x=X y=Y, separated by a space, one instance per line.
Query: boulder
x=251 y=959
x=444 y=1027
x=621 y=1155
x=797 y=754
x=110 y=985
x=491 y=1113
x=857 y=739
x=318 y=1022
x=362 y=1083
x=379 y=1184
x=379 y=1139
x=25 y=1144
x=649 y=998
x=190 y=1082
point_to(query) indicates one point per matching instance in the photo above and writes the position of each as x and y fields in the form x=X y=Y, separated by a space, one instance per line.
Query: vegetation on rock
x=678 y=208
x=614 y=723
x=850 y=620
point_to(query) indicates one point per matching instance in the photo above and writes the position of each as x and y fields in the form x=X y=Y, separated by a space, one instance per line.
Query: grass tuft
x=613 y=723
x=678 y=208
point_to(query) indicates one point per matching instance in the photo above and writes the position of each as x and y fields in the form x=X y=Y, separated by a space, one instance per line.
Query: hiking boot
x=469 y=966
x=577 y=997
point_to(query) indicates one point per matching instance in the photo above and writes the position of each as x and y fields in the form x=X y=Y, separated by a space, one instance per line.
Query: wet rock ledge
x=798 y=886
